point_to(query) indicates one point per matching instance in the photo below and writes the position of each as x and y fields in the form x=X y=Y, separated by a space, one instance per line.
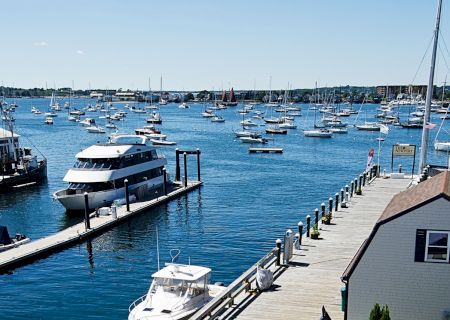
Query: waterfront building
x=404 y=263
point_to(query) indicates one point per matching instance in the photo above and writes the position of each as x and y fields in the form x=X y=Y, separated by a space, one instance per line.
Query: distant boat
x=275 y=130
x=217 y=119
x=48 y=120
x=162 y=142
x=184 y=105
x=368 y=126
x=253 y=140
x=95 y=129
x=154 y=118
x=318 y=133
x=6 y=242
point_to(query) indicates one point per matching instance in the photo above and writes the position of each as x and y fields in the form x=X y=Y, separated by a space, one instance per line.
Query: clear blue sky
x=207 y=43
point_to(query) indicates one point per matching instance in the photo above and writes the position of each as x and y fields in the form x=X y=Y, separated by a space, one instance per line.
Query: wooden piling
x=127 y=194
x=87 y=221
x=308 y=225
x=185 y=170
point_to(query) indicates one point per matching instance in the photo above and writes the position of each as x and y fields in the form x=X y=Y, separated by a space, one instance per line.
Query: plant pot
x=314 y=236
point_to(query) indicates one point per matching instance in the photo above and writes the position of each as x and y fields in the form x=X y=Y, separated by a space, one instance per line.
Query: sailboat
x=317 y=132
x=233 y=101
x=18 y=167
x=367 y=126
x=161 y=100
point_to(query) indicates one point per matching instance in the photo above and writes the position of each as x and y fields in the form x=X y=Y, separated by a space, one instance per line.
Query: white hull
x=317 y=134
x=442 y=146
x=101 y=198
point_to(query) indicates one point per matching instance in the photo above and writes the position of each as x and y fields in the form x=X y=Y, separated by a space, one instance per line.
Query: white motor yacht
x=176 y=292
x=101 y=169
x=95 y=129
x=318 y=133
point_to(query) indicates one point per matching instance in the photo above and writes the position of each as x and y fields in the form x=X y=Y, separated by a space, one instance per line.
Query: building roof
x=403 y=203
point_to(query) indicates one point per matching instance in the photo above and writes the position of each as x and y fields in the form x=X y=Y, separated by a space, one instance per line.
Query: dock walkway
x=55 y=242
x=312 y=278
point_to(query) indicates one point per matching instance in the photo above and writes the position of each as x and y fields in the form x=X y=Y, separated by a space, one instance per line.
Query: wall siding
x=387 y=273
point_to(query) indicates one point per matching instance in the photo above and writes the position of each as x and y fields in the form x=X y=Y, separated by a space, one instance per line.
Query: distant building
x=126 y=95
x=405 y=261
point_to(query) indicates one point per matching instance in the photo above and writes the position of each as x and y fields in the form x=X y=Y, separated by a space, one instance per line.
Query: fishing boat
x=101 y=169
x=18 y=167
x=176 y=292
x=6 y=242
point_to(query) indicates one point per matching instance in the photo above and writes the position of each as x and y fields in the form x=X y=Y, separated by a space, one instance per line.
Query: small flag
x=369 y=159
x=384 y=129
x=430 y=125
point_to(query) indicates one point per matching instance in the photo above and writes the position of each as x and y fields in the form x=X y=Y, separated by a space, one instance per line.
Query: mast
x=425 y=130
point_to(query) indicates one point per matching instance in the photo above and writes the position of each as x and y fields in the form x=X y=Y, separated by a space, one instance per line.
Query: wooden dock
x=265 y=150
x=43 y=247
x=312 y=277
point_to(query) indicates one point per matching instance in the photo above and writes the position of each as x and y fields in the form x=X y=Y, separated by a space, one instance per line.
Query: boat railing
x=226 y=298
x=136 y=302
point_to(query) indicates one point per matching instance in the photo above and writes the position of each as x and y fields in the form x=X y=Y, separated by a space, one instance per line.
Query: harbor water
x=246 y=203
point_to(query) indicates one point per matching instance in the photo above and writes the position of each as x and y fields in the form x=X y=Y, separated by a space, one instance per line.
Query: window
x=436 y=249
x=432 y=246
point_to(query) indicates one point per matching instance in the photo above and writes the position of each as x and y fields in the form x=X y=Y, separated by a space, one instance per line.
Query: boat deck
x=312 y=278
x=55 y=242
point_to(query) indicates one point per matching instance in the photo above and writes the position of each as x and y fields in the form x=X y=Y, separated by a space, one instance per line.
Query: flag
x=430 y=125
x=369 y=159
x=384 y=129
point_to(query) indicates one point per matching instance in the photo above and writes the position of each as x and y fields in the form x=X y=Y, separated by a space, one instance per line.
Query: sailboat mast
x=425 y=131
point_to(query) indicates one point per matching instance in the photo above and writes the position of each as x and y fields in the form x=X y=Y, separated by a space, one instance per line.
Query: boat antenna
x=157 y=247
x=425 y=131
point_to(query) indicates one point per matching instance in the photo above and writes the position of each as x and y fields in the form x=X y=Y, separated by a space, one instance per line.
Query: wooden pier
x=265 y=150
x=43 y=247
x=311 y=279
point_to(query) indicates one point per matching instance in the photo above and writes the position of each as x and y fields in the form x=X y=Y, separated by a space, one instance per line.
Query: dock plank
x=312 y=279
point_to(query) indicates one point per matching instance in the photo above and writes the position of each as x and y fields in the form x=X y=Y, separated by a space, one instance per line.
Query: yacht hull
x=35 y=176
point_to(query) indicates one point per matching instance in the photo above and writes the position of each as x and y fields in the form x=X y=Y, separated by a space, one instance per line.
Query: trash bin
x=114 y=211
x=343 y=298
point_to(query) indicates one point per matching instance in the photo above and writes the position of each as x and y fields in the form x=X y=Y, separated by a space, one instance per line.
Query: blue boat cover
x=4 y=236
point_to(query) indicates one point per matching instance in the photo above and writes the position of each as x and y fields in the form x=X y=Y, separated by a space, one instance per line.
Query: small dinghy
x=6 y=242
x=161 y=142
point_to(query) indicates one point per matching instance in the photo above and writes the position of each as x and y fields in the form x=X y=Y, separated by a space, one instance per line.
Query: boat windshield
x=179 y=287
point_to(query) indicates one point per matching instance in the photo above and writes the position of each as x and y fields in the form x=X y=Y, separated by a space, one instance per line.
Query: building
x=405 y=261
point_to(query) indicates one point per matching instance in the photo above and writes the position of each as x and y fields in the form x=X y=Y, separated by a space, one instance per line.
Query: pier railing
x=226 y=299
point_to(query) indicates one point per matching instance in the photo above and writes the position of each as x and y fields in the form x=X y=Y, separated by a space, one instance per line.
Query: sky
x=211 y=44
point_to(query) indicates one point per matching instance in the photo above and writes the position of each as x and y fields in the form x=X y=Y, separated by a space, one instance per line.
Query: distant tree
x=375 y=313
x=189 y=96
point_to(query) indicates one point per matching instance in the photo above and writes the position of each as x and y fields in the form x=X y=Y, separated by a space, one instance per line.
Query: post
x=185 y=170
x=127 y=194
x=351 y=190
x=87 y=222
x=198 y=165
x=278 y=244
x=300 y=232
x=316 y=216
x=337 y=201
x=346 y=192
x=330 y=205
x=364 y=179
x=322 y=206
x=308 y=224
x=177 y=165
x=165 y=182
x=359 y=192
x=342 y=195
x=356 y=185
x=399 y=168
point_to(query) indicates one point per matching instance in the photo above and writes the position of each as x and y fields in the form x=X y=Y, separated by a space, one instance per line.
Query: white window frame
x=427 y=245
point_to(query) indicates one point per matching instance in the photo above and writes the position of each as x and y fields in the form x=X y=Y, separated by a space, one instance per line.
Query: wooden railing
x=224 y=300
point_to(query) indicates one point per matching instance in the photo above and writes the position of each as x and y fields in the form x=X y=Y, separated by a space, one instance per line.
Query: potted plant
x=315 y=232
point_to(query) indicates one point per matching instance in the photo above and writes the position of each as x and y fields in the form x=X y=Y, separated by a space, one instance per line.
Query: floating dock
x=45 y=246
x=312 y=278
x=265 y=150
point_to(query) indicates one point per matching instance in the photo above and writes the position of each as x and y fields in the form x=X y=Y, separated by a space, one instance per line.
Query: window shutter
x=421 y=238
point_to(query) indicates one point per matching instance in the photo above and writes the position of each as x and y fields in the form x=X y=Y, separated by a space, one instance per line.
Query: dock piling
x=330 y=205
x=185 y=170
x=308 y=225
x=336 y=205
x=165 y=181
x=359 y=191
x=278 y=244
x=300 y=233
x=87 y=221
x=351 y=189
x=316 y=216
x=356 y=186
x=288 y=246
x=127 y=194
x=399 y=168
x=198 y=164
x=346 y=192
x=342 y=195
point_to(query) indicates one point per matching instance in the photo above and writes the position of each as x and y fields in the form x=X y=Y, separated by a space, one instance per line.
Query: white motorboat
x=318 y=133
x=252 y=134
x=176 y=292
x=48 y=120
x=208 y=114
x=253 y=140
x=287 y=125
x=248 y=123
x=184 y=105
x=95 y=129
x=88 y=122
x=155 y=118
x=368 y=126
x=217 y=119
x=101 y=169
x=162 y=142
x=50 y=114
x=338 y=130
x=442 y=146
x=6 y=242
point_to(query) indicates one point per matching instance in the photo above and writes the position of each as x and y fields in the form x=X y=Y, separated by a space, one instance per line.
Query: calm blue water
x=247 y=201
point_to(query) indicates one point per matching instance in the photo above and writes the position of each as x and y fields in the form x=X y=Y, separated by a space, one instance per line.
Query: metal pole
x=426 y=118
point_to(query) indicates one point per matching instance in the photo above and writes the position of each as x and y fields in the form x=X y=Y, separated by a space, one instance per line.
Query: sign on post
x=403 y=150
